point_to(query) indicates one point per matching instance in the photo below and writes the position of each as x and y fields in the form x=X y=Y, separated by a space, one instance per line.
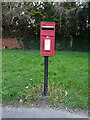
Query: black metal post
x=45 y=75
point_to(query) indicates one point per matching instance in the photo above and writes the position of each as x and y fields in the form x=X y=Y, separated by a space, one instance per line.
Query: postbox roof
x=43 y=23
x=47 y=26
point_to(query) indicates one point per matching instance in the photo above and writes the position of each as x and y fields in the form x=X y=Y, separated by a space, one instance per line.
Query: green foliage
x=62 y=43
x=32 y=42
x=23 y=19
x=69 y=5
x=67 y=78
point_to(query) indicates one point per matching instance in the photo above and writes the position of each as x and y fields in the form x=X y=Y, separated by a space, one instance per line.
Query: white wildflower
x=27 y=87
x=66 y=93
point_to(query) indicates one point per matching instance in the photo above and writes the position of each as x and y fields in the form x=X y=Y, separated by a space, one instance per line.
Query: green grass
x=23 y=72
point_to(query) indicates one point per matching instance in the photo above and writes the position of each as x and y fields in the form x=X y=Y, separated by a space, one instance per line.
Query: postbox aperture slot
x=47 y=28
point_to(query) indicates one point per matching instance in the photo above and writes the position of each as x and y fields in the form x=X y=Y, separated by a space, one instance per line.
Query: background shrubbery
x=61 y=43
x=21 y=20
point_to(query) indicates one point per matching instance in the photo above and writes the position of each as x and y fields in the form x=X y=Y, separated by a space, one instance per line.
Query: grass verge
x=23 y=72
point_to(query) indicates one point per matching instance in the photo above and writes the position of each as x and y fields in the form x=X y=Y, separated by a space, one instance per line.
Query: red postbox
x=47 y=38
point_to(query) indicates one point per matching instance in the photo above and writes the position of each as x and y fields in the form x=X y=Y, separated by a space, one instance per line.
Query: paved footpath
x=22 y=112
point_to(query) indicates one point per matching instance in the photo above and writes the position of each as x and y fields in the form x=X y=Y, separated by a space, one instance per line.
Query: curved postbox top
x=47 y=28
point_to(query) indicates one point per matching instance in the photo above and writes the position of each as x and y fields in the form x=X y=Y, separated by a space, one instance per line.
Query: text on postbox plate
x=47 y=44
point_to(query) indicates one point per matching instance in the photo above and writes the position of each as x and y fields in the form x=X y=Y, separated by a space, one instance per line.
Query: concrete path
x=0 y=112
x=22 y=112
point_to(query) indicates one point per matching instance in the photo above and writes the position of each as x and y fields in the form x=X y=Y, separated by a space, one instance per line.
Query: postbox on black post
x=47 y=40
